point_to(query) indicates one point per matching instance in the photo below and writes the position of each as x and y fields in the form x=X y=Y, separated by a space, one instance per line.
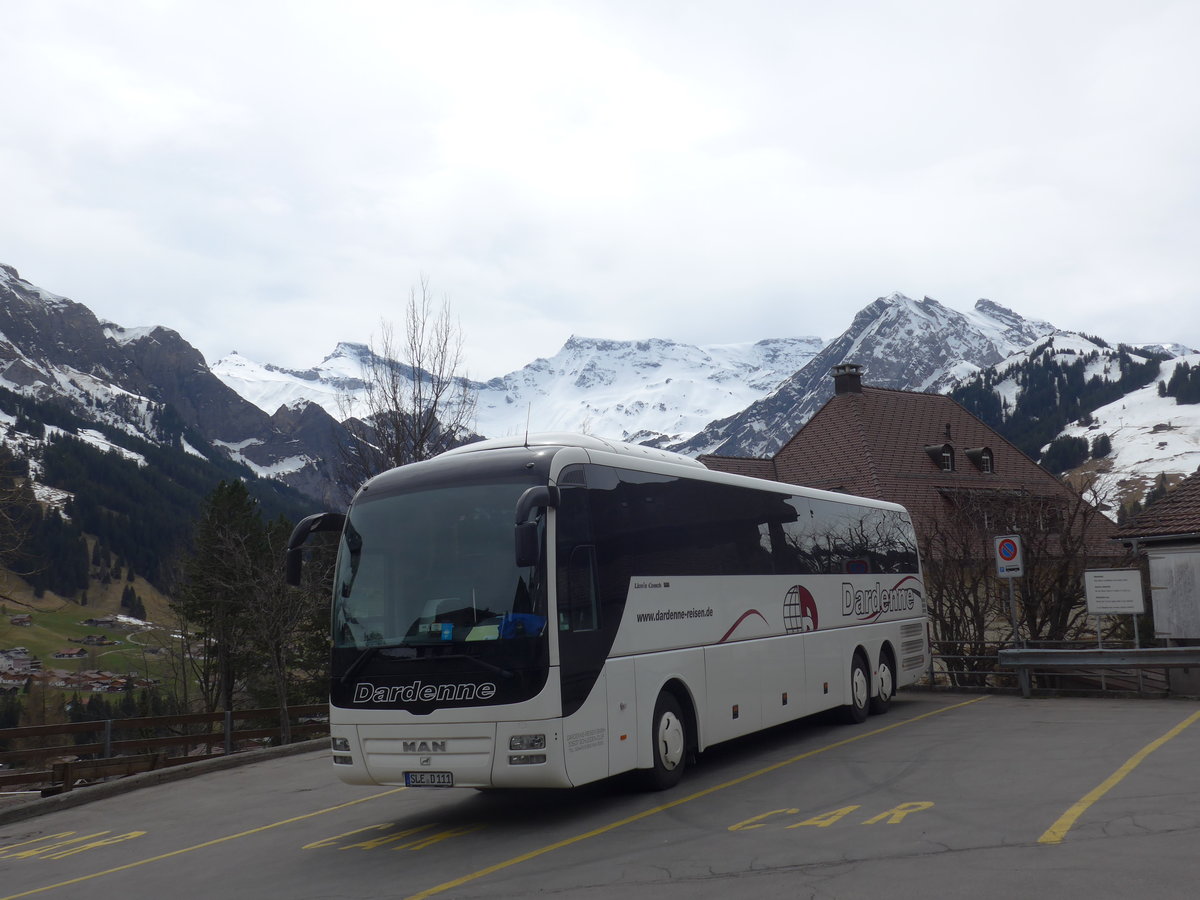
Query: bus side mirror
x=294 y=557
x=293 y=561
x=528 y=551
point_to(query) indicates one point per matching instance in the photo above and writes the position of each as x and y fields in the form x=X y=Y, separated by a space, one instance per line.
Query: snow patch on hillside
x=1150 y=434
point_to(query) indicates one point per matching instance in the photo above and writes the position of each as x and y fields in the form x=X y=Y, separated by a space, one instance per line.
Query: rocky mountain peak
x=901 y=343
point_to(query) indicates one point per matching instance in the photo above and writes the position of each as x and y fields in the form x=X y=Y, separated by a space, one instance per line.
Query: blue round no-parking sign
x=1008 y=556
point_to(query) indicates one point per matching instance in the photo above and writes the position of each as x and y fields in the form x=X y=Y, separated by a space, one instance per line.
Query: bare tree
x=1063 y=534
x=417 y=402
x=1064 y=539
x=962 y=601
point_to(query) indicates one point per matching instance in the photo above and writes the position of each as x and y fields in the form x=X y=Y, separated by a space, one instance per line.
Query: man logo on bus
x=799 y=611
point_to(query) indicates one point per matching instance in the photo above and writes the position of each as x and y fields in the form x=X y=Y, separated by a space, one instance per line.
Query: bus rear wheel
x=882 y=701
x=669 y=734
x=855 y=712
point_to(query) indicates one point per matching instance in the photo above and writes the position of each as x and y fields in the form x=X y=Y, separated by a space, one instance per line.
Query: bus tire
x=882 y=700
x=855 y=712
x=669 y=735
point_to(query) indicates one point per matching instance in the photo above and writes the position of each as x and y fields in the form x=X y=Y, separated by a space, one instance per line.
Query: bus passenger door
x=582 y=648
x=622 y=715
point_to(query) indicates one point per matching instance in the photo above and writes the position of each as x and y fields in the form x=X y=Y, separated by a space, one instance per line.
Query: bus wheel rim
x=861 y=691
x=886 y=687
x=670 y=740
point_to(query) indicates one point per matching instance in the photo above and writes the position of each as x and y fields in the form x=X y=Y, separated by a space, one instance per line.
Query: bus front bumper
x=477 y=755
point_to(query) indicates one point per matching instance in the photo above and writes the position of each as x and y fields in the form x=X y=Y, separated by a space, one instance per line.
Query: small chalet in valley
x=964 y=485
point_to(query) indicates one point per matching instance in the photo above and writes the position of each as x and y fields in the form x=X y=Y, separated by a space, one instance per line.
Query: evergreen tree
x=1158 y=491
x=1065 y=453
x=256 y=631
x=212 y=598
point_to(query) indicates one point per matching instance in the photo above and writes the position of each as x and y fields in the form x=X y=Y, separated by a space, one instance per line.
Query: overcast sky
x=274 y=177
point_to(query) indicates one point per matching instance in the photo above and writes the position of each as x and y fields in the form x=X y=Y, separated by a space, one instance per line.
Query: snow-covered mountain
x=741 y=399
x=914 y=345
x=640 y=391
x=151 y=383
x=335 y=384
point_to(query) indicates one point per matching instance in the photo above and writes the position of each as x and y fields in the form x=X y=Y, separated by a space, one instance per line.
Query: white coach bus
x=555 y=610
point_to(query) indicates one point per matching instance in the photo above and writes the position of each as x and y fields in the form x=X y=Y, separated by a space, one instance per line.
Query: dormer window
x=982 y=458
x=942 y=456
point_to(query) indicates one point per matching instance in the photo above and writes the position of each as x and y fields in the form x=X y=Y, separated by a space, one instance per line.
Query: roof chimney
x=847 y=378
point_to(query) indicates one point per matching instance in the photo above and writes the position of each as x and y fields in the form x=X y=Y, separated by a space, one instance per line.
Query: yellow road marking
x=896 y=815
x=645 y=814
x=212 y=843
x=44 y=837
x=1056 y=832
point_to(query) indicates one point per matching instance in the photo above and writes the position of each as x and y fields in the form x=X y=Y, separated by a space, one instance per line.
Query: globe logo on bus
x=799 y=611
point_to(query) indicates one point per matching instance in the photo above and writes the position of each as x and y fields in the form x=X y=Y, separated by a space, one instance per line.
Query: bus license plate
x=429 y=779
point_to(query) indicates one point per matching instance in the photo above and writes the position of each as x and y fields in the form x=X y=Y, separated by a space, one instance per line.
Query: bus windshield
x=435 y=568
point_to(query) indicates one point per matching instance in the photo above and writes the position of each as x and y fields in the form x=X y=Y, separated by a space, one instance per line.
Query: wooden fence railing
x=28 y=756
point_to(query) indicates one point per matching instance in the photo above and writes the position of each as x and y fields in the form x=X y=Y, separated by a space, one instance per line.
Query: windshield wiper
x=367 y=653
x=482 y=663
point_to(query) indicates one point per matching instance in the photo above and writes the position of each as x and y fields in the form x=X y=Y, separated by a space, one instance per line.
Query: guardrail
x=976 y=666
x=168 y=740
x=1026 y=660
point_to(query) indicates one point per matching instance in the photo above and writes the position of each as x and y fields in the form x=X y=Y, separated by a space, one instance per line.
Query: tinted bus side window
x=833 y=538
x=642 y=524
x=656 y=525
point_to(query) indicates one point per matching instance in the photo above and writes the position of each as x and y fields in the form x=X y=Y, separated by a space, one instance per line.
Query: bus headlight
x=528 y=742
x=341 y=744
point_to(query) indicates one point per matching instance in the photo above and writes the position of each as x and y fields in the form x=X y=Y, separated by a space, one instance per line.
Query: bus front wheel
x=855 y=711
x=669 y=733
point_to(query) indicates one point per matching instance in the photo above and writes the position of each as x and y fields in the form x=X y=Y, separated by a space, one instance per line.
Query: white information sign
x=1113 y=592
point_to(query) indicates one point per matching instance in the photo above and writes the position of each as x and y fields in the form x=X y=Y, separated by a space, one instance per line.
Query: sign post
x=1010 y=564
x=1115 y=592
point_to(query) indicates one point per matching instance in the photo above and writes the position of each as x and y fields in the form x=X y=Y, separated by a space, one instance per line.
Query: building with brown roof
x=1168 y=531
x=964 y=485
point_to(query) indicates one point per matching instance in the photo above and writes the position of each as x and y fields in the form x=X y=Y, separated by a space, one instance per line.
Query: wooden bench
x=63 y=775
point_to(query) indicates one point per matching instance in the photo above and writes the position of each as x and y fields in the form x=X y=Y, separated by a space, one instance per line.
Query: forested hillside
x=1054 y=387
x=138 y=499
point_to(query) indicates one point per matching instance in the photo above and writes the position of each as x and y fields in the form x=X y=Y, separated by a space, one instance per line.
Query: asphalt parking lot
x=947 y=795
